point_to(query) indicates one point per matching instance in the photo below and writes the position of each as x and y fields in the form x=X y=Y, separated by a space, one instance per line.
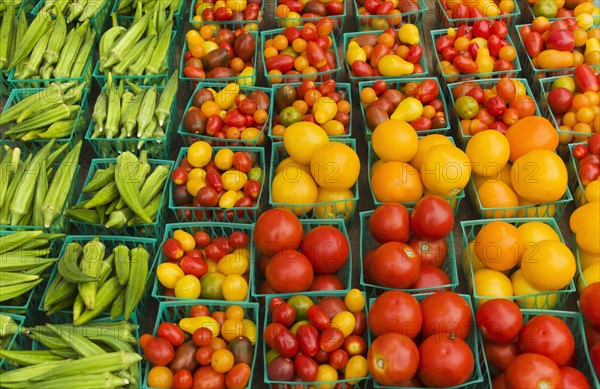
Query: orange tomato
x=160 y=377
x=540 y=176
x=496 y=194
x=525 y=105
x=395 y=140
x=222 y=360
x=397 y=182
x=531 y=133
x=499 y=246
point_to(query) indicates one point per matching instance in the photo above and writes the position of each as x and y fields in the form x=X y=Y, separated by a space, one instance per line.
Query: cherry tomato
x=284 y=314
x=286 y=344
x=338 y=359
x=318 y=318
x=202 y=336
x=306 y=368
x=331 y=339
x=308 y=339
x=202 y=239
x=199 y=310
x=159 y=351
x=172 y=249
x=172 y=333
x=239 y=239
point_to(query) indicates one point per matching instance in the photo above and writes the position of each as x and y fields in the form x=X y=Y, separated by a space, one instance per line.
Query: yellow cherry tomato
x=188 y=287
x=355 y=301
x=231 y=329
x=235 y=288
x=199 y=154
x=357 y=367
x=186 y=239
x=325 y=373
x=250 y=330
x=234 y=263
x=233 y=179
x=168 y=274
x=224 y=159
x=345 y=322
x=228 y=199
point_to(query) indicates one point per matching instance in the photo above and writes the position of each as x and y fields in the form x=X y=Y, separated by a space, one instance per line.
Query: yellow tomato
x=550 y=266
x=589 y=275
x=335 y=206
x=234 y=180
x=446 y=170
x=290 y=163
x=160 y=377
x=586 y=228
x=250 y=330
x=488 y=151
x=234 y=263
x=224 y=159
x=592 y=191
x=357 y=367
x=523 y=288
x=491 y=284
x=186 y=239
x=497 y=198
x=234 y=312
x=191 y=324
x=335 y=166
x=534 y=232
x=168 y=274
x=188 y=287
x=325 y=373
x=587 y=259
x=540 y=176
x=235 y=288
x=301 y=190
x=222 y=360
x=395 y=140
x=236 y=5
x=213 y=266
x=193 y=185
x=424 y=144
x=345 y=322
x=231 y=329
x=199 y=154
x=355 y=300
x=302 y=139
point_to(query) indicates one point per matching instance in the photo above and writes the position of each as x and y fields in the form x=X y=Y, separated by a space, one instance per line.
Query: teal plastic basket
x=401 y=84
x=110 y=242
x=173 y=312
x=338 y=20
x=368 y=243
x=4 y=85
x=545 y=85
x=189 y=137
x=190 y=84
x=248 y=25
x=357 y=383
x=340 y=87
x=341 y=209
x=454 y=200
x=575 y=183
x=126 y=18
x=490 y=83
x=354 y=80
x=381 y=22
x=575 y=323
x=11 y=342
x=542 y=300
x=157 y=147
x=288 y=78
x=99 y=21
x=214 y=229
x=510 y=19
x=209 y=214
x=33 y=146
x=32 y=83
x=449 y=79
x=344 y=274
x=144 y=79
x=140 y=230
x=477 y=378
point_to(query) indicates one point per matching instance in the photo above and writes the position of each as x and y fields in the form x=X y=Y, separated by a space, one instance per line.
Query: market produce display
x=240 y=194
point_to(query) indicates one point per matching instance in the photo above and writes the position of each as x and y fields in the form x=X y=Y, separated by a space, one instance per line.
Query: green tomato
x=564 y=82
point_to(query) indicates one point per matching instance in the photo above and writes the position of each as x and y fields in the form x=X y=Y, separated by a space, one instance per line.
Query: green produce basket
x=510 y=19
x=173 y=312
x=473 y=340
x=110 y=242
x=575 y=322
x=340 y=87
x=190 y=137
x=454 y=200
x=551 y=209
x=156 y=147
x=339 y=209
x=449 y=79
x=248 y=25
x=99 y=22
x=542 y=300
x=4 y=85
x=368 y=243
x=60 y=225
x=33 y=146
x=190 y=84
x=214 y=229
x=339 y=20
x=344 y=274
x=355 y=80
x=12 y=341
x=140 y=230
x=575 y=183
x=158 y=79
x=126 y=18
x=209 y=214
x=357 y=383
x=401 y=84
x=545 y=86
x=288 y=78
x=365 y=22
x=32 y=83
x=488 y=83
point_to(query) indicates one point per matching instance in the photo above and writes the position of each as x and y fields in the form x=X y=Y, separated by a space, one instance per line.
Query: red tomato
x=432 y=218
x=239 y=239
x=202 y=336
x=331 y=339
x=393 y=358
x=182 y=380
x=338 y=359
x=274 y=303
x=559 y=100
x=426 y=91
x=318 y=317
x=199 y=310
x=574 y=379
x=589 y=304
x=281 y=369
x=588 y=172
x=549 y=336
x=592 y=335
x=595 y=357
x=326 y=282
x=500 y=355
x=580 y=151
x=585 y=79
x=202 y=239
x=203 y=355
x=396 y=265
x=395 y=311
x=355 y=345
x=306 y=368
x=499 y=28
x=286 y=344
x=499 y=320
x=159 y=351
x=444 y=362
x=308 y=339
x=361 y=324
x=284 y=314
x=277 y=229
x=499 y=382
x=272 y=330
x=326 y=248
x=533 y=371
x=172 y=333
x=390 y=222
x=446 y=313
x=431 y=277
x=332 y=306
x=380 y=86
x=207 y=377
x=289 y=271
x=172 y=249
x=432 y=252
x=238 y=376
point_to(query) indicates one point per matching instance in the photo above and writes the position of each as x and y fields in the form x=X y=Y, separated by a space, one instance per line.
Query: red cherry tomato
x=172 y=333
